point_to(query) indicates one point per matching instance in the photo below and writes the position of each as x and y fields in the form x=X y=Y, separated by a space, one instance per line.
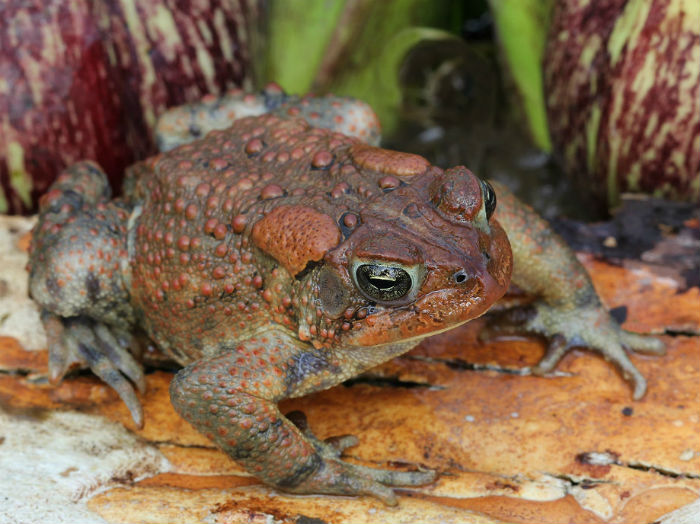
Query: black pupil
x=385 y=283
x=382 y=284
x=460 y=277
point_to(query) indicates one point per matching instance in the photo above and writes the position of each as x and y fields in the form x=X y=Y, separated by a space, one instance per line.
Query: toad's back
x=199 y=276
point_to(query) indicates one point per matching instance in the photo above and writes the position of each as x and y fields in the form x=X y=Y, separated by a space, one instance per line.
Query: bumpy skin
x=183 y=124
x=274 y=259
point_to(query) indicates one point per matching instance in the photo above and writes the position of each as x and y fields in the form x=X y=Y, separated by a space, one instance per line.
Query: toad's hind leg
x=77 y=269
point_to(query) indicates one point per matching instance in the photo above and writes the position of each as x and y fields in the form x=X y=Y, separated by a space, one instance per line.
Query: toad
x=272 y=250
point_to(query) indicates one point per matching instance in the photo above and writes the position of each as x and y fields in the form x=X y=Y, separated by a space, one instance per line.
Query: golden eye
x=382 y=282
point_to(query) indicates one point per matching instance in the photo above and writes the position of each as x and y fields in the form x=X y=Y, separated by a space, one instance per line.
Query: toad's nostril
x=460 y=276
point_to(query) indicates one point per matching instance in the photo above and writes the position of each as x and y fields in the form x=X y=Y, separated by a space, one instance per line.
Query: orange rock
x=510 y=447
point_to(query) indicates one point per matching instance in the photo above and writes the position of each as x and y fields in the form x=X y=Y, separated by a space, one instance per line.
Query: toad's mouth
x=431 y=314
x=418 y=338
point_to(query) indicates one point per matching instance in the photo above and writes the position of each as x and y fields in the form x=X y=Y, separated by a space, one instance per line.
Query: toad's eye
x=383 y=283
x=489 y=198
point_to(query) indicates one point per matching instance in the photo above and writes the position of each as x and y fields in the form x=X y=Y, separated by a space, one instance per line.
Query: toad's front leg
x=232 y=399
x=568 y=310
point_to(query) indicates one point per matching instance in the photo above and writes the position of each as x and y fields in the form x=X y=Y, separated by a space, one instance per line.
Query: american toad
x=276 y=258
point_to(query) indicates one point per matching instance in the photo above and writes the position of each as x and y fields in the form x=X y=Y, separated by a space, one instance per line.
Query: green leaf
x=378 y=82
x=20 y=179
x=352 y=47
x=298 y=32
x=522 y=33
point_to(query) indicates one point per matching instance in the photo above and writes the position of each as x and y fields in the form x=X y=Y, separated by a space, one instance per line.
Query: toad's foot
x=333 y=448
x=566 y=328
x=90 y=344
x=568 y=310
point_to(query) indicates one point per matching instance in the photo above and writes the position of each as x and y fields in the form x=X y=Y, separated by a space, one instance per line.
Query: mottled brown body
x=227 y=227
